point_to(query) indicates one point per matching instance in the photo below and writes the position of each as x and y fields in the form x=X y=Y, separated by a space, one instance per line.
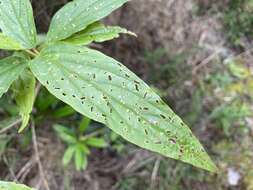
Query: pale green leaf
x=106 y=91
x=64 y=111
x=17 y=22
x=96 y=142
x=77 y=15
x=24 y=92
x=10 y=69
x=8 y=43
x=97 y=32
x=66 y=134
x=79 y=158
x=84 y=124
x=13 y=186
x=84 y=148
x=68 y=155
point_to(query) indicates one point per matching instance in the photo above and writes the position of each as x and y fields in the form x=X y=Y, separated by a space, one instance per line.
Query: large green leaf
x=8 y=43
x=106 y=91
x=77 y=15
x=10 y=69
x=13 y=186
x=24 y=91
x=97 y=32
x=16 y=21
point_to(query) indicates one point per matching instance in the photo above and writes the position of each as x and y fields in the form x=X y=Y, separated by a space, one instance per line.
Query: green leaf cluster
x=78 y=143
x=92 y=83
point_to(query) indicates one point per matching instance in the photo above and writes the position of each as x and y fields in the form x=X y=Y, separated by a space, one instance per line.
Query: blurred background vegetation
x=197 y=54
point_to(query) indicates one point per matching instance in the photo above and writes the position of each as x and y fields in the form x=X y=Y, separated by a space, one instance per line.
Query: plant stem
x=36 y=51
x=37 y=156
x=31 y=53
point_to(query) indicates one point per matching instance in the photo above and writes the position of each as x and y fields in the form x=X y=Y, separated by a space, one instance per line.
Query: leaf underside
x=106 y=91
x=10 y=69
x=97 y=32
x=16 y=21
x=77 y=15
x=13 y=186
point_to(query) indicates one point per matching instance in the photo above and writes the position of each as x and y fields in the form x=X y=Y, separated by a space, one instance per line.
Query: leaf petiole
x=36 y=51
x=33 y=52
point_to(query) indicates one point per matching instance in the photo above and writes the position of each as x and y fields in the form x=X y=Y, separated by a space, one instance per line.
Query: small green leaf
x=68 y=155
x=84 y=148
x=45 y=100
x=64 y=111
x=24 y=92
x=13 y=186
x=104 y=90
x=114 y=136
x=77 y=15
x=62 y=129
x=84 y=124
x=10 y=69
x=65 y=134
x=97 y=32
x=17 y=22
x=8 y=43
x=96 y=142
x=79 y=158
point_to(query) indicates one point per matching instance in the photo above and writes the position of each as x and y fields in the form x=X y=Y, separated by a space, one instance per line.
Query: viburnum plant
x=94 y=84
